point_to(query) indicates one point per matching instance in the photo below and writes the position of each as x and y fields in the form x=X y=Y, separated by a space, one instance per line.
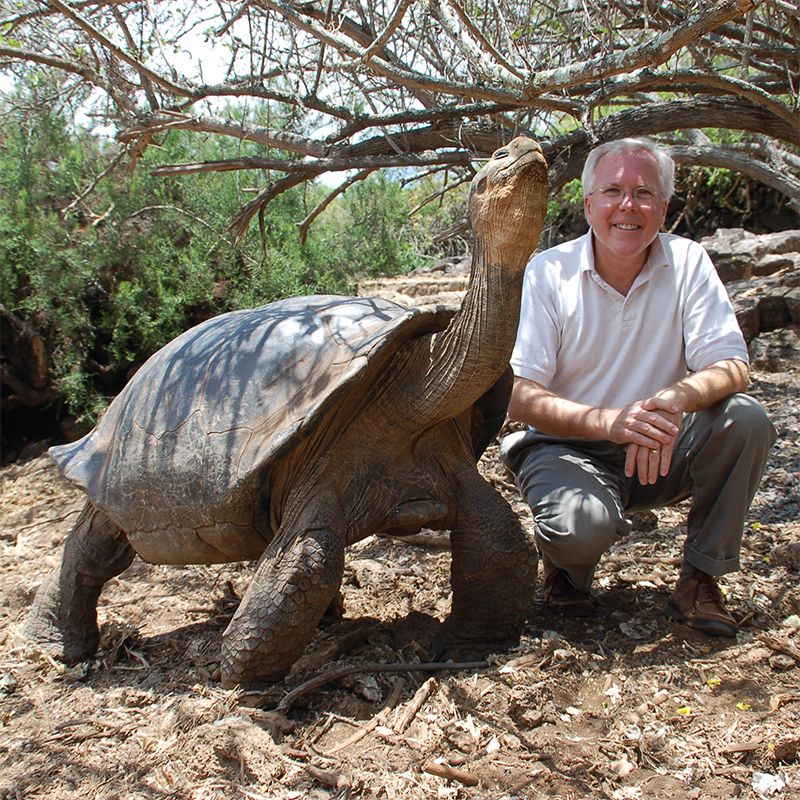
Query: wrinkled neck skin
x=442 y=374
x=466 y=359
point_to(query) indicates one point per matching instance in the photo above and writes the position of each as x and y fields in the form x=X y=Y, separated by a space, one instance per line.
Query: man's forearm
x=707 y=386
x=534 y=405
x=648 y=422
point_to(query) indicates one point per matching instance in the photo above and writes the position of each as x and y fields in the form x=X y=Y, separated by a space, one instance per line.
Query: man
x=629 y=369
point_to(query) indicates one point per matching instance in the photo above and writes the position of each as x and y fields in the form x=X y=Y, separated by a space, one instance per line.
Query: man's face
x=625 y=207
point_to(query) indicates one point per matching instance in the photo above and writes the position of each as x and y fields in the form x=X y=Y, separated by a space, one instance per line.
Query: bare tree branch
x=146 y=82
x=341 y=189
x=61 y=64
x=318 y=166
x=362 y=85
x=709 y=156
x=241 y=221
x=79 y=198
x=651 y=53
x=102 y=39
x=571 y=149
x=692 y=80
x=282 y=140
x=391 y=26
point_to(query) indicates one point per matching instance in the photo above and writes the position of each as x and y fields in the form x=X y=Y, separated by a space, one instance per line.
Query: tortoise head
x=507 y=203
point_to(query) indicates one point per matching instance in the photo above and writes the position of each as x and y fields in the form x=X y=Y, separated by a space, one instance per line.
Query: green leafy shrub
x=106 y=281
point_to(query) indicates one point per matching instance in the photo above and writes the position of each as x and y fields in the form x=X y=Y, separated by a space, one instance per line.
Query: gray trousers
x=579 y=493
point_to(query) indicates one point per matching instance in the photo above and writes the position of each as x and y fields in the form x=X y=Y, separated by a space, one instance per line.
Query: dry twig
x=780 y=646
x=451 y=773
x=328 y=777
x=391 y=702
x=413 y=707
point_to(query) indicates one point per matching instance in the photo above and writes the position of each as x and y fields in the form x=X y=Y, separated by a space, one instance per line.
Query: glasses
x=613 y=195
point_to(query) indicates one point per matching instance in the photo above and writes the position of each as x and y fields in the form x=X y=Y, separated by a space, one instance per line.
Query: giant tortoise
x=286 y=432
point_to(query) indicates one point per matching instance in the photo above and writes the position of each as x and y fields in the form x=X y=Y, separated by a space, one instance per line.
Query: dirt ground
x=622 y=705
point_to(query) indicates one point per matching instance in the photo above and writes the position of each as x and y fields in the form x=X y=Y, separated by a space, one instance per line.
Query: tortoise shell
x=183 y=456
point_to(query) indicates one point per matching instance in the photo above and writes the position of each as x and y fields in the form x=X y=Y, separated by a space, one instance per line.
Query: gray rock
x=738 y=254
x=775 y=262
x=766 y=303
x=776 y=351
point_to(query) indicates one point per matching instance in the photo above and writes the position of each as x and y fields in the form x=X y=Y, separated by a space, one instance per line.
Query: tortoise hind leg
x=294 y=583
x=63 y=617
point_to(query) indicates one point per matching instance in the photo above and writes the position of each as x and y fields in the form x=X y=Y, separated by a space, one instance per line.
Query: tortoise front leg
x=294 y=583
x=493 y=572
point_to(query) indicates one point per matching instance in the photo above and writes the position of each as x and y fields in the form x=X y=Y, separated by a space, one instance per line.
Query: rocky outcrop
x=739 y=254
x=443 y=285
x=776 y=351
x=762 y=276
x=764 y=304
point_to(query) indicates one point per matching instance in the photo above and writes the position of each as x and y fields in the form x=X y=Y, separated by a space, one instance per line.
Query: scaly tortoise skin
x=287 y=432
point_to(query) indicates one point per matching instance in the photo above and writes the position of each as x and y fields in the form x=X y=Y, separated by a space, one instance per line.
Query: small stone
x=622 y=767
x=786 y=555
x=632 y=630
x=661 y=696
x=634 y=733
x=787 y=749
x=8 y=684
x=767 y=785
x=781 y=662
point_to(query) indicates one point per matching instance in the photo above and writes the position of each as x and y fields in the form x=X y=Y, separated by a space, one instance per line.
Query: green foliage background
x=108 y=282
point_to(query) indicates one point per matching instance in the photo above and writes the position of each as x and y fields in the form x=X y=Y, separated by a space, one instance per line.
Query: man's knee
x=745 y=419
x=578 y=528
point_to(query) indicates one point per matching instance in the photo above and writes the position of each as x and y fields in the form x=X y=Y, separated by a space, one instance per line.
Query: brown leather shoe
x=561 y=596
x=697 y=602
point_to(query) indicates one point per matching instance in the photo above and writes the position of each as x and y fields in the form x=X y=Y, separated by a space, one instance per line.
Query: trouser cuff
x=711 y=566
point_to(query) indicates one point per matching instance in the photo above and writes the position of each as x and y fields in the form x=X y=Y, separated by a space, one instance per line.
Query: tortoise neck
x=464 y=361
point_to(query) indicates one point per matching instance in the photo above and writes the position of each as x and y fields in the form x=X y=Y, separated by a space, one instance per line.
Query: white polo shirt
x=583 y=340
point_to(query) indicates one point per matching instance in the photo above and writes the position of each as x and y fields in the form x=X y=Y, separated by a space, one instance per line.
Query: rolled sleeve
x=537 y=343
x=711 y=331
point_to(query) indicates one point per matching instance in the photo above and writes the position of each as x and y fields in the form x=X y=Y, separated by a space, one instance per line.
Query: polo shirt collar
x=586 y=252
x=658 y=255
x=656 y=258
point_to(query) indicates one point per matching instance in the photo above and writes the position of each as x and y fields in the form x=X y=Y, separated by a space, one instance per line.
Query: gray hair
x=666 y=166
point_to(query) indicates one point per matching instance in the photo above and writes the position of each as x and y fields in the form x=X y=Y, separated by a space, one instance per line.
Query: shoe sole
x=706 y=626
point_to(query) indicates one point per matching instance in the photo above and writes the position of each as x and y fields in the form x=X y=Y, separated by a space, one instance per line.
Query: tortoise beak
x=518 y=155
